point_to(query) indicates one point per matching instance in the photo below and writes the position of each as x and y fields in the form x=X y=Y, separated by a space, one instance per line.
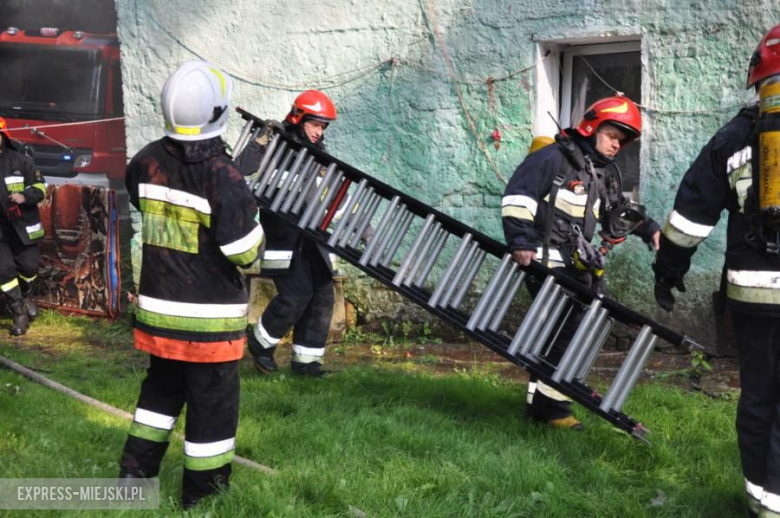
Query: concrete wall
x=415 y=110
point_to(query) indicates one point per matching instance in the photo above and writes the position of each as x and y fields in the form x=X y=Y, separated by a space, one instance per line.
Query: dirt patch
x=671 y=367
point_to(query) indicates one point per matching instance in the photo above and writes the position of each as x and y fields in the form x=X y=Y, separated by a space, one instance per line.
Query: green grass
x=377 y=438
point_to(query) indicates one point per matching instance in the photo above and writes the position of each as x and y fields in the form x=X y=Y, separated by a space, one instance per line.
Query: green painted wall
x=406 y=120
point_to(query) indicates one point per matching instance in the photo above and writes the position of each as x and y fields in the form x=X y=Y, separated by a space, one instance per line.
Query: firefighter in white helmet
x=200 y=223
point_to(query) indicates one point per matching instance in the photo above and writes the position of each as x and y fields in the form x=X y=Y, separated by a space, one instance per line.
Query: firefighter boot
x=25 y=284
x=313 y=369
x=551 y=409
x=21 y=320
x=262 y=358
x=32 y=309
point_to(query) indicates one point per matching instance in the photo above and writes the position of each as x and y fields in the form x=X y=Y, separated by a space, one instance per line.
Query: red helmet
x=312 y=105
x=765 y=61
x=619 y=111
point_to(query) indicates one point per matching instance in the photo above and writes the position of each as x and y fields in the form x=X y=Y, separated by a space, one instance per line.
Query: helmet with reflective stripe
x=195 y=101
x=312 y=105
x=619 y=111
x=765 y=61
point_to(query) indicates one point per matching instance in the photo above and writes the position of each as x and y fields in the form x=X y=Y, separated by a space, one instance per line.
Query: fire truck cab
x=61 y=94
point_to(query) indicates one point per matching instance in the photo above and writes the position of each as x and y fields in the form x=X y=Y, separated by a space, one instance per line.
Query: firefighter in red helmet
x=20 y=229
x=732 y=172
x=550 y=211
x=301 y=270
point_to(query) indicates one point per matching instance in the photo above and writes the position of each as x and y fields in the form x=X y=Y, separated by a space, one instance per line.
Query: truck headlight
x=82 y=161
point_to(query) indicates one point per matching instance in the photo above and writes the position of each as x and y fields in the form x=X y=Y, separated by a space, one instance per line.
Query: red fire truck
x=61 y=94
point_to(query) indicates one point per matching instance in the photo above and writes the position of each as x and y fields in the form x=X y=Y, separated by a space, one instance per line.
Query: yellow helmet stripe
x=221 y=79
x=187 y=131
x=623 y=108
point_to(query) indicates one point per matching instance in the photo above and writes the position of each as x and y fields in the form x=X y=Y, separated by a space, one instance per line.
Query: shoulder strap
x=558 y=181
x=594 y=193
x=571 y=151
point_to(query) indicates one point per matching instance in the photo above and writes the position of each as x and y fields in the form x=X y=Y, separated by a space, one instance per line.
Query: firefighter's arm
x=649 y=231
x=236 y=218
x=34 y=187
x=249 y=159
x=701 y=197
x=132 y=175
x=520 y=204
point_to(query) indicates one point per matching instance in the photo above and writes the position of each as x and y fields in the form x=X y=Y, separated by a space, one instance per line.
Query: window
x=40 y=82
x=583 y=74
x=118 y=105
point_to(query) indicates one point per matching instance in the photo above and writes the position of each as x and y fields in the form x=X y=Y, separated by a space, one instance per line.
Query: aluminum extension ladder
x=404 y=260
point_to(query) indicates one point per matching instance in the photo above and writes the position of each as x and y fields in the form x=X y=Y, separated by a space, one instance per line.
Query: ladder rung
x=441 y=240
x=501 y=300
x=311 y=207
x=468 y=279
x=428 y=242
x=270 y=150
x=632 y=365
x=267 y=168
x=272 y=187
x=341 y=226
x=284 y=189
x=507 y=299
x=414 y=250
x=295 y=188
x=533 y=312
x=355 y=215
x=621 y=397
x=390 y=228
x=365 y=219
x=582 y=374
x=488 y=298
x=444 y=281
x=243 y=138
x=380 y=230
x=459 y=272
x=590 y=339
x=395 y=243
x=320 y=212
x=309 y=186
x=549 y=326
x=540 y=318
x=577 y=341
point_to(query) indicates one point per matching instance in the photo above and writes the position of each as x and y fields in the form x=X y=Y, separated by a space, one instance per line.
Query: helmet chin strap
x=599 y=159
x=217 y=113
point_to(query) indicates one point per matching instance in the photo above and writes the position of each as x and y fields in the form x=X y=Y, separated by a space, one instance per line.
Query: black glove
x=267 y=131
x=663 y=291
x=274 y=125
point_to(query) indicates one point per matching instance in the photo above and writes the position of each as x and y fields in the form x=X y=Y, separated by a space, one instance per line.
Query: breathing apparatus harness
x=622 y=217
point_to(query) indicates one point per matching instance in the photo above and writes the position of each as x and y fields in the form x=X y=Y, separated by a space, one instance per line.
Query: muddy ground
x=672 y=366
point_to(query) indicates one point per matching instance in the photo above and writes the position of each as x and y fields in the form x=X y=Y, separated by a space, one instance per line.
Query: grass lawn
x=386 y=439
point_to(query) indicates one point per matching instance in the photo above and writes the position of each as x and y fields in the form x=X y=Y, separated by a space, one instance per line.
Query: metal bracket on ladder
x=333 y=203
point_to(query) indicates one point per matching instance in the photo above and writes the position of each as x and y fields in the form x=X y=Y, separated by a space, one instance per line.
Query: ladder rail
x=395 y=212
x=493 y=247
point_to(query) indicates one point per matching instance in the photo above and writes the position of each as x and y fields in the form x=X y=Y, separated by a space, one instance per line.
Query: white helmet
x=195 y=101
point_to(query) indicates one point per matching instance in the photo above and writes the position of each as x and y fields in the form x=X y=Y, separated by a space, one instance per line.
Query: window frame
x=568 y=54
x=554 y=80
